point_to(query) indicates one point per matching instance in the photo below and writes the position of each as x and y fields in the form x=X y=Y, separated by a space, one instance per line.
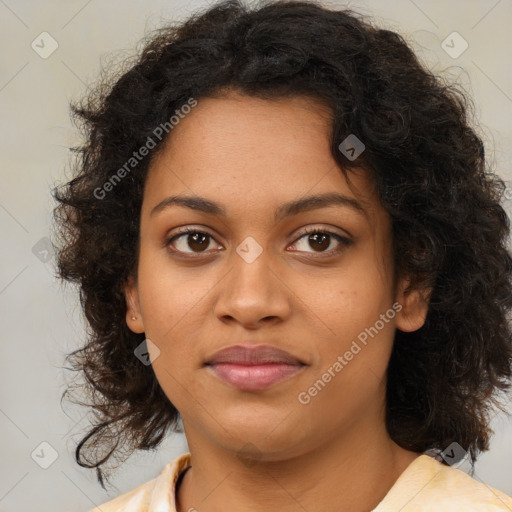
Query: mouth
x=253 y=368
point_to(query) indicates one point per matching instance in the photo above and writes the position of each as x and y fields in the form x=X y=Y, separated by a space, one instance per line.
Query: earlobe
x=414 y=302
x=133 y=312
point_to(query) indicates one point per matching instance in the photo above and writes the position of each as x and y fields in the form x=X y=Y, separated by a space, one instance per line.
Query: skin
x=251 y=156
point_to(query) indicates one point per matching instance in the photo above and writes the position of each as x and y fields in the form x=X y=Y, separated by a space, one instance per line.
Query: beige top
x=425 y=486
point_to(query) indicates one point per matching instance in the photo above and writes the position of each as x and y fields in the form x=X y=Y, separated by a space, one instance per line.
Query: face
x=249 y=272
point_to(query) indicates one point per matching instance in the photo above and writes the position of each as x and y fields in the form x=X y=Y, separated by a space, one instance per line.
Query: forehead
x=248 y=154
x=234 y=126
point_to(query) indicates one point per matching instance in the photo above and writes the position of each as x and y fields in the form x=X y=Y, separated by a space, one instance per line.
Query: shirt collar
x=163 y=497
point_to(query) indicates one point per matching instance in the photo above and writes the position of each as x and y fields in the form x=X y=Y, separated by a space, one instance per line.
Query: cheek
x=351 y=304
x=169 y=298
x=348 y=302
x=173 y=310
x=352 y=369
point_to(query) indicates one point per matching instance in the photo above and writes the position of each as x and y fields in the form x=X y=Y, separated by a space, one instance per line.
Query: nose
x=252 y=293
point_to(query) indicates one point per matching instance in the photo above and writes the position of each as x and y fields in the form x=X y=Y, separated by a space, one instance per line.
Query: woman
x=286 y=237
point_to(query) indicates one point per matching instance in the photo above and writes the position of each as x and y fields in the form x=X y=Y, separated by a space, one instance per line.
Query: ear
x=134 y=318
x=414 y=302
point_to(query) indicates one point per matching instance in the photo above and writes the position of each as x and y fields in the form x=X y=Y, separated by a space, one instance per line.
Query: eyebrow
x=304 y=204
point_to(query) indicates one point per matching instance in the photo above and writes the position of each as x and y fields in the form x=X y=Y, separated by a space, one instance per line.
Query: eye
x=190 y=239
x=320 y=240
x=193 y=241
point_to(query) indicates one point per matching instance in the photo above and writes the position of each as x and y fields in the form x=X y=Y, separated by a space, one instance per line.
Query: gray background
x=40 y=320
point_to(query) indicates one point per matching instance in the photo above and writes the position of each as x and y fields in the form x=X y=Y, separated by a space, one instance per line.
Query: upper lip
x=252 y=355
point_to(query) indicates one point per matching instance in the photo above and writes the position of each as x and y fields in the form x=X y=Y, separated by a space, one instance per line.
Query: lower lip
x=253 y=378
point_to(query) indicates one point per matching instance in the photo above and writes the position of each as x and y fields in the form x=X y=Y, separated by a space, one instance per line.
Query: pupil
x=195 y=237
x=316 y=236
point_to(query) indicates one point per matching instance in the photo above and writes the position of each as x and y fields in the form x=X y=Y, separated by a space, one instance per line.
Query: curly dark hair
x=450 y=230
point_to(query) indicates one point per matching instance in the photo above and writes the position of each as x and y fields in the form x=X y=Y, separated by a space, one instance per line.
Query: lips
x=253 y=368
x=253 y=356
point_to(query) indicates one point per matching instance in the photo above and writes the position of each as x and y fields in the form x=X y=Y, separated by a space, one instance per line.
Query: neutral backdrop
x=40 y=320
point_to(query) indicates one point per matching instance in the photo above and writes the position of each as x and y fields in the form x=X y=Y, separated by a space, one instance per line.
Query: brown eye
x=190 y=241
x=322 y=241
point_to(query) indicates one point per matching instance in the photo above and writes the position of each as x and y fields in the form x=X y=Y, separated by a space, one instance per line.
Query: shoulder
x=137 y=500
x=156 y=494
x=428 y=485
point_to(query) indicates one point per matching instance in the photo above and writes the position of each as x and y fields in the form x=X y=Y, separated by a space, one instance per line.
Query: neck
x=349 y=473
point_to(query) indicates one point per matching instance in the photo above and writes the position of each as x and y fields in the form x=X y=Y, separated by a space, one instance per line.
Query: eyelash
x=344 y=242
